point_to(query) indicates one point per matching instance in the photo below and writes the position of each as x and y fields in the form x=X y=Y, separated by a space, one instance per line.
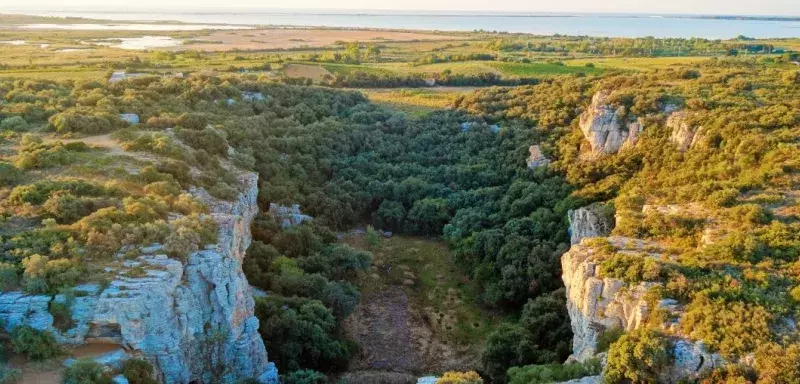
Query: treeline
x=648 y=46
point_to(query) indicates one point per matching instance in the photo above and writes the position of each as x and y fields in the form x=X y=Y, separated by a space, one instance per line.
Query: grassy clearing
x=434 y=285
x=415 y=101
x=542 y=69
x=636 y=63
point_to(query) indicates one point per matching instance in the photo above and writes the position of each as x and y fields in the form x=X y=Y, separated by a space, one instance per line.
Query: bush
x=9 y=276
x=9 y=174
x=639 y=356
x=138 y=371
x=36 y=344
x=9 y=375
x=86 y=371
x=13 y=123
x=305 y=376
x=470 y=377
x=731 y=328
x=190 y=233
x=631 y=268
x=608 y=337
x=551 y=373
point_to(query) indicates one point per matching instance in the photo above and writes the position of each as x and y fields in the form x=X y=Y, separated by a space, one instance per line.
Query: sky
x=727 y=7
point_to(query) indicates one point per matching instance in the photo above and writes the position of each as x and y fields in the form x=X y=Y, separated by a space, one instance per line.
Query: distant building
x=131 y=118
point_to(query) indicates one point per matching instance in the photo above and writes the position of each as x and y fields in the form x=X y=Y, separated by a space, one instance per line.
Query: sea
x=575 y=24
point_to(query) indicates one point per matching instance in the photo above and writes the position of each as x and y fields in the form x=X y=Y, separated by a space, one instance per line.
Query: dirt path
x=51 y=372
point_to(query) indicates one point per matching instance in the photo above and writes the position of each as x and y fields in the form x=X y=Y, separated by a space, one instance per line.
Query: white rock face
x=588 y=221
x=536 y=158
x=596 y=304
x=194 y=322
x=683 y=134
x=604 y=129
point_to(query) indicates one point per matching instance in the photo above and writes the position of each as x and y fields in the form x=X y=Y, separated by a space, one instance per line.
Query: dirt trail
x=51 y=372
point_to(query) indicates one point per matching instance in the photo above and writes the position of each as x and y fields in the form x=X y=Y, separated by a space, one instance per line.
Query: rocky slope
x=597 y=303
x=194 y=321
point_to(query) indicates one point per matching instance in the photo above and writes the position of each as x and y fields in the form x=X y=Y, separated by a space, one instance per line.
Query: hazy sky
x=759 y=7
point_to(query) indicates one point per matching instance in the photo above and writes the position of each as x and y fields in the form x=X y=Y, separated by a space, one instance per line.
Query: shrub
x=36 y=344
x=470 y=377
x=631 y=268
x=223 y=191
x=138 y=371
x=9 y=174
x=639 y=356
x=86 y=371
x=608 y=337
x=551 y=373
x=62 y=316
x=9 y=276
x=371 y=236
x=9 y=375
x=190 y=233
x=305 y=376
x=732 y=328
x=66 y=122
x=777 y=364
x=13 y=123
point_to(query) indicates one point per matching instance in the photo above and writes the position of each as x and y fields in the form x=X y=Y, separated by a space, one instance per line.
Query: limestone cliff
x=604 y=127
x=589 y=221
x=683 y=133
x=193 y=320
x=596 y=303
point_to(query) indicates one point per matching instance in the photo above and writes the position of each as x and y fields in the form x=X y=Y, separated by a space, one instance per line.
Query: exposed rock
x=112 y=360
x=684 y=135
x=131 y=118
x=119 y=379
x=692 y=359
x=288 y=216
x=604 y=128
x=596 y=304
x=253 y=96
x=585 y=380
x=589 y=221
x=194 y=322
x=536 y=158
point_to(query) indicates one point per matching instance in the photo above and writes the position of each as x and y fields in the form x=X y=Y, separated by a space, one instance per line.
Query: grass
x=434 y=285
x=417 y=101
x=542 y=69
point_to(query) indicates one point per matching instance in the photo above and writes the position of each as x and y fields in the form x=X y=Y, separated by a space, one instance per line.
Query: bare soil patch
x=286 y=38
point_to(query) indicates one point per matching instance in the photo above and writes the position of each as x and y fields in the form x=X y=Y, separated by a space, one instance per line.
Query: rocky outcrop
x=604 y=127
x=683 y=134
x=194 y=321
x=596 y=304
x=288 y=216
x=589 y=221
x=536 y=158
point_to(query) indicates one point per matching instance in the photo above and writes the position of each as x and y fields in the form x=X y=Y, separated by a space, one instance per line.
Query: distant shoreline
x=367 y=13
